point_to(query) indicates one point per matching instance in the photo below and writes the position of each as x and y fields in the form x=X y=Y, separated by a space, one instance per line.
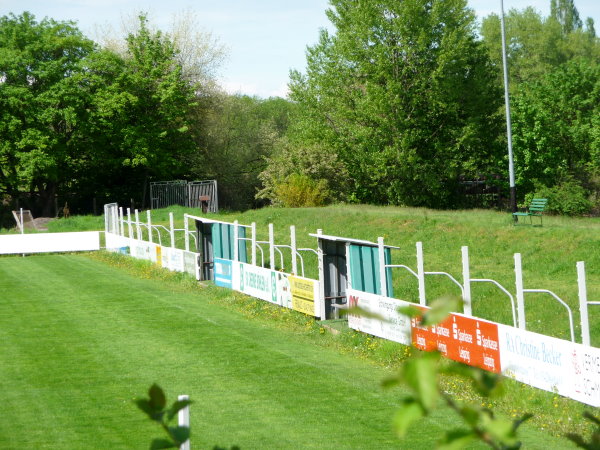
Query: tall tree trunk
x=47 y=194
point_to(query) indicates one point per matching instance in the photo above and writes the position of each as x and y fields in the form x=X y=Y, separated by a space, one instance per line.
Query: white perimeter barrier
x=170 y=258
x=290 y=291
x=49 y=242
x=555 y=365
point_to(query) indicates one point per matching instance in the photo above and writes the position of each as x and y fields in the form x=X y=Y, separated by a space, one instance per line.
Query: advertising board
x=190 y=264
x=223 y=272
x=304 y=293
x=551 y=364
x=143 y=250
x=394 y=326
x=116 y=243
x=257 y=282
x=49 y=242
x=464 y=339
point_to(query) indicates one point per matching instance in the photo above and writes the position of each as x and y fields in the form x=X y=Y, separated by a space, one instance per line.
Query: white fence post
x=138 y=228
x=293 y=245
x=183 y=420
x=253 y=227
x=520 y=295
x=468 y=311
x=271 y=247
x=149 y=218
x=236 y=248
x=122 y=227
x=583 y=304
x=322 y=312
x=186 y=230
x=382 y=268
x=129 y=230
x=22 y=224
x=172 y=229
x=421 y=274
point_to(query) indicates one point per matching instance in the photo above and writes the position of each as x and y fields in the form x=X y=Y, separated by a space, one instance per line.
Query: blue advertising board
x=223 y=273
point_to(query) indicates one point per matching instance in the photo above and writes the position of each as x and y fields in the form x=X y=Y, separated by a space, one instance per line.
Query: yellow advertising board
x=303 y=295
x=159 y=255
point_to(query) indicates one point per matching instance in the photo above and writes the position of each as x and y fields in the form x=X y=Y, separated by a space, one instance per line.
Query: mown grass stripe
x=79 y=340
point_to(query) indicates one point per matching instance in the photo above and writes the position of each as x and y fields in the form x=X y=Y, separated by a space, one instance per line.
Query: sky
x=264 y=39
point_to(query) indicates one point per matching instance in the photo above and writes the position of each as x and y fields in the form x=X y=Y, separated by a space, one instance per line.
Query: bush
x=567 y=198
x=298 y=190
x=303 y=173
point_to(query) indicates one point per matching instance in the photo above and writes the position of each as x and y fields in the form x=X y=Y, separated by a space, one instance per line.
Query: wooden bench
x=536 y=208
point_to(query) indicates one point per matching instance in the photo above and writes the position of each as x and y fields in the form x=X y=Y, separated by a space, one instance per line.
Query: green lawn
x=80 y=339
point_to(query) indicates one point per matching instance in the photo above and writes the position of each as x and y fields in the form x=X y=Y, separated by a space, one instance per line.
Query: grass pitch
x=80 y=339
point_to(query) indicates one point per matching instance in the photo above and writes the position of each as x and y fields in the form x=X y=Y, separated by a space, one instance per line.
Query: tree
x=403 y=92
x=239 y=132
x=565 y=13
x=556 y=127
x=40 y=109
x=140 y=112
x=199 y=53
x=537 y=45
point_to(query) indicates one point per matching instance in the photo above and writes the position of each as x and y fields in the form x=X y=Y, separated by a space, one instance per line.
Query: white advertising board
x=49 y=242
x=551 y=364
x=143 y=250
x=172 y=259
x=256 y=282
x=116 y=242
x=396 y=327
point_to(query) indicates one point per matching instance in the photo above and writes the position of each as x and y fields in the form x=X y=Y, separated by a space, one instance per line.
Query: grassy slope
x=79 y=339
x=549 y=253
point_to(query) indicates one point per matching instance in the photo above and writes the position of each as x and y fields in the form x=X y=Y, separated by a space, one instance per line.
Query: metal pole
x=271 y=247
x=467 y=306
x=511 y=168
x=421 y=274
x=172 y=229
x=520 y=294
x=253 y=226
x=583 y=304
x=122 y=227
x=382 y=268
x=129 y=230
x=183 y=420
x=138 y=228
x=149 y=217
x=236 y=233
x=186 y=230
x=293 y=245
x=322 y=314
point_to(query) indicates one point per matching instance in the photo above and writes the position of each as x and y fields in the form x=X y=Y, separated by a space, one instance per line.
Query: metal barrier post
x=583 y=304
x=183 y=420
x=382 y=271
x=129 y=230
x=236 y=232
x=253 y=227
x=149 y=218
x=520 y=296
x=293 y=245
x=421 y=274
x=271 y=247
x=467 y=306
x=138 y=229
x=172 y=229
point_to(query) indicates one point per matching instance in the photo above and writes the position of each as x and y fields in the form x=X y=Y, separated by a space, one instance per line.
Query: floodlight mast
x=511 y=168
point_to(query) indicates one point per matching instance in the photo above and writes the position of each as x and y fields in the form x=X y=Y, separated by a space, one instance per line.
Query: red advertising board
x=464 y=339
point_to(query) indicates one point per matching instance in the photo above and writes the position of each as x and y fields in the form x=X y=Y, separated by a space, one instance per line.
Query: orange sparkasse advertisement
x=464 y=339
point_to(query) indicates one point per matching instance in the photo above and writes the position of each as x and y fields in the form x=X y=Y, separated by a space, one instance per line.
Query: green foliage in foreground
x=155 y=407
x=422 y=374
x=82 y=336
